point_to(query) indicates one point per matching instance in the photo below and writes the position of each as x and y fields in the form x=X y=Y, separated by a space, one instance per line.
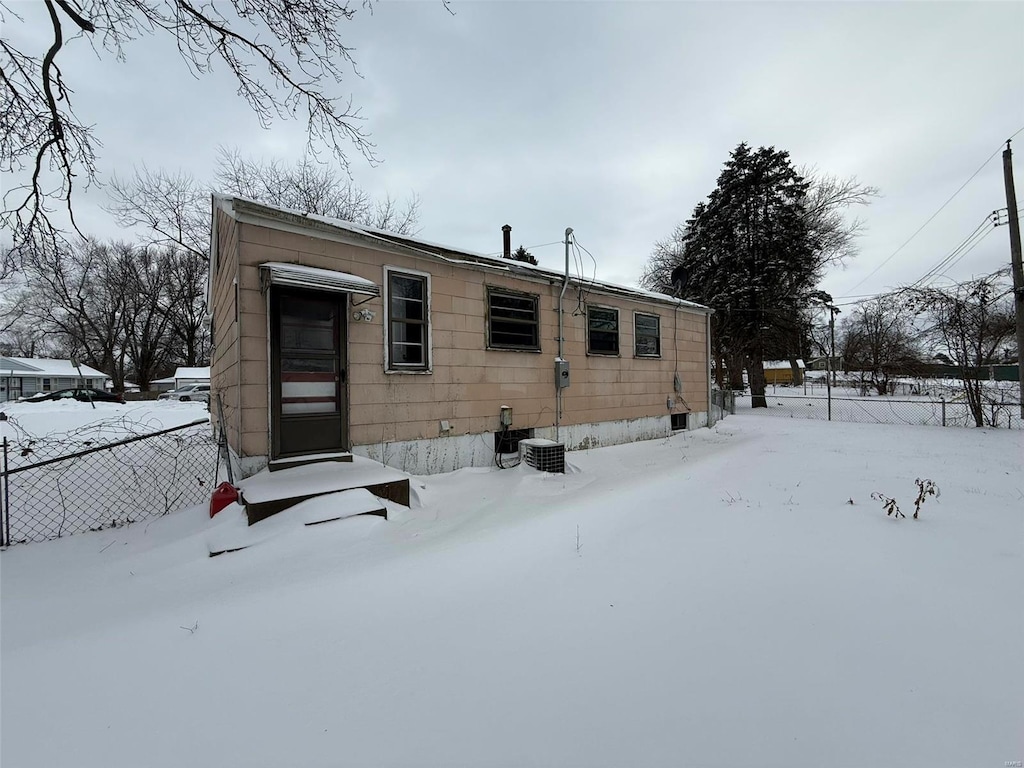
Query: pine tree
x=750 y=255
x=521 y=254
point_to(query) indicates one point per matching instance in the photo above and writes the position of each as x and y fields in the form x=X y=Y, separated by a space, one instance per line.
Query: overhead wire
x=942 y=207
x=952 y=257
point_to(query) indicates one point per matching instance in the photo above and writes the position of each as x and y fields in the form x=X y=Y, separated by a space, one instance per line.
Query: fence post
x=5 y=506
x=943 y=399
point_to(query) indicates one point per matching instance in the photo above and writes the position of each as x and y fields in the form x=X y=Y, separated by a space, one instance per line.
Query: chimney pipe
x=506 y=235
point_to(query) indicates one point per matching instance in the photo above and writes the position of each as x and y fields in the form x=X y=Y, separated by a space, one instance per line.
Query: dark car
x=82 y=394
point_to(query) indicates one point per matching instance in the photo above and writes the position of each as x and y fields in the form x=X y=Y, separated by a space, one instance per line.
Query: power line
x=950 y=258
x=873 y=272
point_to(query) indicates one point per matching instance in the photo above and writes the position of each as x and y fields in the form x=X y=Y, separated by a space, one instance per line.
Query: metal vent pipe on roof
x=506 y=237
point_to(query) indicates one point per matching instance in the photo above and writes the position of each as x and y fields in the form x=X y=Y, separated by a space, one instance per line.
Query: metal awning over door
x=314 y=278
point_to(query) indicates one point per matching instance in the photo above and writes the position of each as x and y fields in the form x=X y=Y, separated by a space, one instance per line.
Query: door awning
x=300 y=276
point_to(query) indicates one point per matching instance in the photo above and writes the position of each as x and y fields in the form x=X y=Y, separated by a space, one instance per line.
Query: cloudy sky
x=614 y=118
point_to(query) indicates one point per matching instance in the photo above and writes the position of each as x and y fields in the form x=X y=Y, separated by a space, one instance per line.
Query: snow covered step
x=268 y=493
x=314 y=458
x=338 y=506
x=233 y=532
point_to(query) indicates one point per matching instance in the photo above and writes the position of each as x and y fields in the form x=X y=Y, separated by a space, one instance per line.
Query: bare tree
x=77 y=295
x=185 y=295
x=829 y=199
x=172 y=207
x=313 y=187
x=969 y=323
x=147 y=316
x=880 y=341
x=283 y=55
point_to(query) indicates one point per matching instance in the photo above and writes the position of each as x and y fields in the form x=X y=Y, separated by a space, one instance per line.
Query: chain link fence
x=53 y=487
x=885 y=409
x=723 y=402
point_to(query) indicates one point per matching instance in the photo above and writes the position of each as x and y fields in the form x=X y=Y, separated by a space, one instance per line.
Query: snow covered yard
x=712 y=599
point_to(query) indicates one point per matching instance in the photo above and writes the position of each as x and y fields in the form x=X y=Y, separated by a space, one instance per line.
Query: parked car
x=82 y=394
x=197 y=392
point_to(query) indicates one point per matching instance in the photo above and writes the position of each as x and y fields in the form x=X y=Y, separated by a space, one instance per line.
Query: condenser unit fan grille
x=543 y=455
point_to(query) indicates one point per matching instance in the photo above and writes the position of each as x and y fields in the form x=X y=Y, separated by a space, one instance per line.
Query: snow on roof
x=193 y=373
x=774 y=365
x=37 y=366
x=452 y=255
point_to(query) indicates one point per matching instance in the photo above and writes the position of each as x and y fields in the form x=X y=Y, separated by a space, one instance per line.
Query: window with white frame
x=46 y=385
x=513 y=321
x=602 y=331
x=407 y=329
x=646 y=335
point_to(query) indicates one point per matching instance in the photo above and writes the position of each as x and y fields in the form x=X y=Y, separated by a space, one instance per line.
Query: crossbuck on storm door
x=308 y=371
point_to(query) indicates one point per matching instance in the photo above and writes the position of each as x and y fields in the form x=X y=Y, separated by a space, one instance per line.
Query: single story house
x=25 y=376
x=780 y=371
x=182 y=375
x=191 y=375
x=334 y=337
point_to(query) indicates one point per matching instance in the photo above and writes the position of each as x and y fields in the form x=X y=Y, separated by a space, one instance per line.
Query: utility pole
x=1016 y=269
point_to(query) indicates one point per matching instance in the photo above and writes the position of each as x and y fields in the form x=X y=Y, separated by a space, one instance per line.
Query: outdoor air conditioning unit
x=542 y=455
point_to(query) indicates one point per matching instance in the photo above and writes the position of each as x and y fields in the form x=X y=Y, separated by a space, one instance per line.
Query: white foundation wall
x=446 y=454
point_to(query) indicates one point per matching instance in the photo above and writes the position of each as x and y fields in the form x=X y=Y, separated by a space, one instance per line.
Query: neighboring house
x=162 y=385
x=183 y=376
x=823 y=363
x=780 y=371
x=25 y=376
x=331 y=337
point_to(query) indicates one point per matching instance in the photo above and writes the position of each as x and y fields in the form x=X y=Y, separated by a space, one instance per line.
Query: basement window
x=679 y=421
x=508 y=440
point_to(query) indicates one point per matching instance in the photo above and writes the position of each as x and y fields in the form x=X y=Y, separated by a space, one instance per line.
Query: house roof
x=781 y=365
x=37 y=366
x=237 y=207
x=202 y=372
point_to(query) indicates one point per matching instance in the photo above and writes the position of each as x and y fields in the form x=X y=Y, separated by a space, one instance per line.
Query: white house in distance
x=182 y=376
x=25 y=376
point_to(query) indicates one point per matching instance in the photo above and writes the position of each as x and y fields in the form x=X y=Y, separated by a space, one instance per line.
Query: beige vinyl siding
x=468 y=382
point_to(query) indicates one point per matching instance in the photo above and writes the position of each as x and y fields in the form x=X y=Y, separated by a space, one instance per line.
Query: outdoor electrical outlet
x=505 y=417
x=670 y=403
x=446 y=425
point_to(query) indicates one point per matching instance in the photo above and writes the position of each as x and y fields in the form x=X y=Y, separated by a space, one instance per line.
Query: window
x=647 y=335
x=46 y=385
x=602 y=331
x=407 y=326
x=512 y=320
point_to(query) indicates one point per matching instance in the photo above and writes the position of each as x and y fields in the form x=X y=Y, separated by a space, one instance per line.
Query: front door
x=307 y=367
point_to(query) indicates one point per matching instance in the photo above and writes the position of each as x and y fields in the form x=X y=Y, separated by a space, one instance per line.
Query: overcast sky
x=615 y=118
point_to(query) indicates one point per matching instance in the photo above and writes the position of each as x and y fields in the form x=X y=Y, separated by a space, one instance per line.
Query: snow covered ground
x=713 y=599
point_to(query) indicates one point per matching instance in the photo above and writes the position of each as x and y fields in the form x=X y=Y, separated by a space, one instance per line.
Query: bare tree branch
x=285 y=57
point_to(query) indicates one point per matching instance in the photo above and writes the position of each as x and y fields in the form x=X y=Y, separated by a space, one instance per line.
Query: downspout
x=561 y=296
x=707 y=335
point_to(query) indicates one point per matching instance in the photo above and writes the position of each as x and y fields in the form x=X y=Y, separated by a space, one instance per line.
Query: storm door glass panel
x=309 y=356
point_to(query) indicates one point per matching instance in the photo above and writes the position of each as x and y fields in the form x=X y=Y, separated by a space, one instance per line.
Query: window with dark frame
x=647 y=335
x=513 y=320
x=407 y=322
x=602 y=331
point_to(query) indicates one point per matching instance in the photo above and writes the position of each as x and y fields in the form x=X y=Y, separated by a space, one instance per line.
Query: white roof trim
x=300 y=276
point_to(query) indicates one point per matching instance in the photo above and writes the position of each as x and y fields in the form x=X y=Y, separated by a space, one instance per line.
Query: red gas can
x=223 y=495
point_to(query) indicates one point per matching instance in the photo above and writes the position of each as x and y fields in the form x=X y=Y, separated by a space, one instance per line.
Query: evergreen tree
x=748 y=253
x=521 y=254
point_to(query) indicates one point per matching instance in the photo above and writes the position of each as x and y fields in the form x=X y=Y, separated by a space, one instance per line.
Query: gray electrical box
x=561 y=373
